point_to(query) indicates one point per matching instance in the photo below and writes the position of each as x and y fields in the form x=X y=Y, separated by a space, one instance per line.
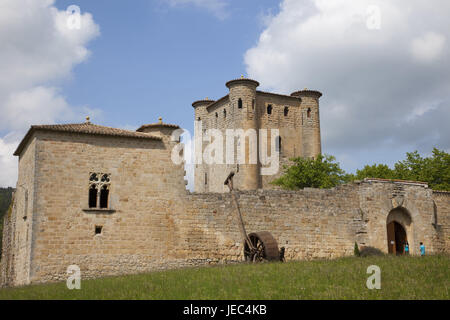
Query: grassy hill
x=401 y=278
x=5 y=201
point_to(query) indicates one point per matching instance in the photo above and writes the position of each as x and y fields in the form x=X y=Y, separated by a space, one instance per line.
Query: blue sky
x=383 y=67
x=154 y=60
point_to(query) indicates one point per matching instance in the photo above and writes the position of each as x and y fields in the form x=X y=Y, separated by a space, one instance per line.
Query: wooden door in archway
x=396 y=235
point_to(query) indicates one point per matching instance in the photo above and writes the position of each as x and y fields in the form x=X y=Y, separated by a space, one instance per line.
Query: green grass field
x=401 y=278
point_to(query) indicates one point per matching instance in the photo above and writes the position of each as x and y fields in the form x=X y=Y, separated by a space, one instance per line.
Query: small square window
x=98 y=229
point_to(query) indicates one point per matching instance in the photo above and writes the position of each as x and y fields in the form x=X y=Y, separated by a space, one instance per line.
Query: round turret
x=242 y=82
x=242 y=98
x=310 y=121
x=200 y=108
x=202 y=103
x=307 y=93
x=159 y=129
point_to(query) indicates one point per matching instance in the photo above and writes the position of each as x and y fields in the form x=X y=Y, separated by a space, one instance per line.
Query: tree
x=324 y=172
x=5 y=201
x=439 y=170
x=434 y=170
x=375 y=171
x=321 y=172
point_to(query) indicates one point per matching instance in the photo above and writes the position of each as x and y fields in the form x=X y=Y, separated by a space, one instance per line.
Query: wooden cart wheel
x=266 y=247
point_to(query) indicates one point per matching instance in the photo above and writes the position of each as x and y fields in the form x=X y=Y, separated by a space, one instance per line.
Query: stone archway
x=399 y=230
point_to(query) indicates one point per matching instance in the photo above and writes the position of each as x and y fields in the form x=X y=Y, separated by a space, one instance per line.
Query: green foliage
x=435 y=169
x=403 y=277
x=321 y=172
x=356 y=250
x=5 y=201
x=324 y=172
x=375 y=171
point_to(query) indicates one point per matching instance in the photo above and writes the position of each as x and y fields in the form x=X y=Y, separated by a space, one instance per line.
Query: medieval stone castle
x=113 y=202
x=296 y=117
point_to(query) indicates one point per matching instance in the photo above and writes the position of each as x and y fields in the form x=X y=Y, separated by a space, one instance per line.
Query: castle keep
x=295 y=116
x=113 y=202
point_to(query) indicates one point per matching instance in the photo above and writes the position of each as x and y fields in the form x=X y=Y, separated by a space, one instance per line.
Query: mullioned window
x=99 y=186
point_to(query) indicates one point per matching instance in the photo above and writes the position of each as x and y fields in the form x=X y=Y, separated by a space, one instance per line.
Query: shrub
x=370 y=251
x=356 y=250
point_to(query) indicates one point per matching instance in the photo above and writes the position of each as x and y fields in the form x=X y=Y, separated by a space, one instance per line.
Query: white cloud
x=428 y=47
x=8 y=164
x=217 y=7
x=37 y=51
x=36 y=105
x=383 y=88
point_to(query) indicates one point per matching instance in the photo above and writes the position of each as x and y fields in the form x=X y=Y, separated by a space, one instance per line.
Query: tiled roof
x=84 y=128
x=156 y=125
x=395 y=180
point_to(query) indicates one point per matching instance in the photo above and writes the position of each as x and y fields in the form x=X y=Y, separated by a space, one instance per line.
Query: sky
x=383 y=67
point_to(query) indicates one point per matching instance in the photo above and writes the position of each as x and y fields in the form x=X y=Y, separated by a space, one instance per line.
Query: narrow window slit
x=98 y=229
x=278 y=144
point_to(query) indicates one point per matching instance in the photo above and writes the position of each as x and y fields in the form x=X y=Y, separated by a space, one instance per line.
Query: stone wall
x=153 y=223
x=314 y=223
x=311 y=223
x=6 y=263
x=19 y=223
x=441 y=219
x=137 y=229
x=404 y=201
x=216 y=174
x=183 y=229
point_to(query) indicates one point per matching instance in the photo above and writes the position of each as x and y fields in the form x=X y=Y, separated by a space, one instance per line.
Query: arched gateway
x=398 y=225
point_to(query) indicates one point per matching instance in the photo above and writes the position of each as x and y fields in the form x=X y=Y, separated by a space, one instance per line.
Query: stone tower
x=311 y=121
x=293 y=120
x=200 y=172
x=242 y=98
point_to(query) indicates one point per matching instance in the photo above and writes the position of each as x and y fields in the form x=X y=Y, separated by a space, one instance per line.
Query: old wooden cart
x=258 y=246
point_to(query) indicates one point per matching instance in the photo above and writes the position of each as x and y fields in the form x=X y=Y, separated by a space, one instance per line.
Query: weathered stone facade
x=295 y=116
x=152 y=222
